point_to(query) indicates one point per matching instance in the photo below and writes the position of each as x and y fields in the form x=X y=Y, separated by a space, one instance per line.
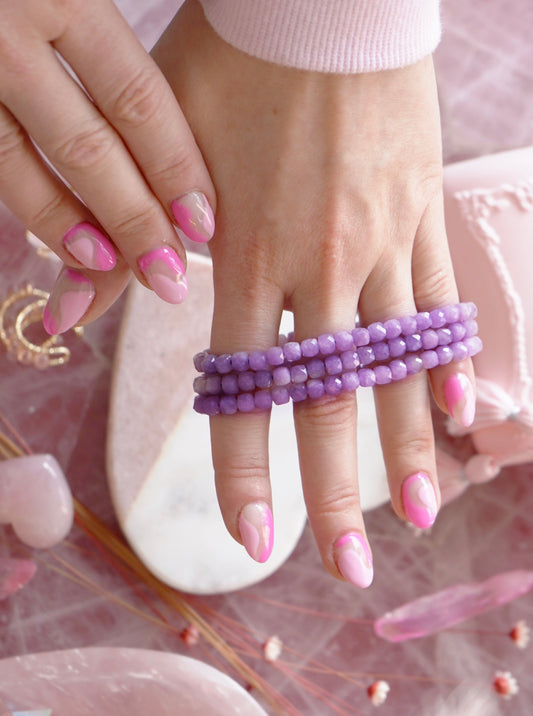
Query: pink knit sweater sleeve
x=329 y=35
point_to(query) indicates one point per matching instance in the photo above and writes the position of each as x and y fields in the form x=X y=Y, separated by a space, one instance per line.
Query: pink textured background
x=485 y=71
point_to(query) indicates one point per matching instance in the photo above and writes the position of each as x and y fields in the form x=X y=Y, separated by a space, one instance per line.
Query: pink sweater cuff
x=329 y=35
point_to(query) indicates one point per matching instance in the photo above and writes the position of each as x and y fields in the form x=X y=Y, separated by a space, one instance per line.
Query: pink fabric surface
x=485 y=71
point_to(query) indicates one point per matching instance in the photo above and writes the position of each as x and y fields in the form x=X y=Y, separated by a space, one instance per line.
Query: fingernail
x=460 y=399
x=165 y=274
x=194 y=216
x=353 y=559
x=71 y=296
x=419 y=500
x=256 y=528
x=90 y=247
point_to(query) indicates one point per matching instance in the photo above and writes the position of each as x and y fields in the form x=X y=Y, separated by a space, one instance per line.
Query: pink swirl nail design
x=69 y=300
x=256 y=528
x=354 y=559
x=90 y=247
x=419 y=500
x=165 y=274
x=194 y=216
x=460 y=399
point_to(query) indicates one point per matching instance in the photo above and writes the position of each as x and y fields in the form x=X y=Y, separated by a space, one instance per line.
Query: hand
x=120 y=141
x=329 y=202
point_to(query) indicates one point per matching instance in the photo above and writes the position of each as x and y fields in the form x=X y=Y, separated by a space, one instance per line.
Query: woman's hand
x=119 y=140
x=329 y=203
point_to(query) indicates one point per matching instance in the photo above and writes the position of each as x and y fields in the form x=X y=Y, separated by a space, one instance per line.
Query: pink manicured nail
x=71 y=296
x=165 y=274
x=354 y=560
x=256 y=528
x=460 y=399
x=194 y=216
x=90 y=247
x=419 y=500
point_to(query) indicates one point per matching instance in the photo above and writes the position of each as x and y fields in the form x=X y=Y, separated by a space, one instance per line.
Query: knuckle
x=88 y=147
x=49 y=212
x=328 y=417
x=179 y=166
x=12 y=140
x=140 y=100
x=242 y=467
x=435 y=287
x=341 y=500
x=140 y=222
x=412 y=448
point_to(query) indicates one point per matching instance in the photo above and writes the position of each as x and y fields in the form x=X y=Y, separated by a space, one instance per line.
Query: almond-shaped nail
x=90 y=247
x=165 y=274
x=353 y=559
x=419 y=500
x=460 y=399
x=256 y=528
x=194 y=216
x=69 y=300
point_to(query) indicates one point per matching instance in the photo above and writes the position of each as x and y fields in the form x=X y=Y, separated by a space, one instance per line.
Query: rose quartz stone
x=14 y=574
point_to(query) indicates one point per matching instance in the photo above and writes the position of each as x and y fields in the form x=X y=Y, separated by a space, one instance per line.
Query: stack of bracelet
x=333 y=363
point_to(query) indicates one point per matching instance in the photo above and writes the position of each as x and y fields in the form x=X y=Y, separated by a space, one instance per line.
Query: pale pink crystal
x=15 y=574
x=443 y=609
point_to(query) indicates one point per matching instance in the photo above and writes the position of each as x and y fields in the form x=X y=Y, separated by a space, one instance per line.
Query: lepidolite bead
x=280 y=395
x=343 y=341
x=326 y=344
x=258 y=360
x=230 y=384
x=281 y=375
x=263 y=400
x=309 y=347
x=392 y=328
x=350 y=381
x=275 y=355
x=240 y=361
x=245 y=402
x=458 y=331
x=366 y=355
x=471 y=328
x=360 y=336
x=423 y=320
x=212 y=384
x=367 y=377
x=377 y=332
x=198 y=361
x=211 y=404
x=199 y=384
x=408 y=324
x=459 y=350
x=263 y=379
x=398 y=369
x=445 y=336
x=452 y=312
x=298 y=392
x=209 y=363
x=430 y=339
x=349 y=360
x=430 y=359
x=292 y=351
x=474 y=345
x=315 y=388
x=316 y=368
x=223 y=363
x=383 y=374
x=246 y=381
x=413 y=363
x=299 y=374
x=332 y=385
x=413 y=342
x=397 y=347
x=228 y=404
x=438 y=318
x=381 y=350
x=333 y=365
x=445 y=354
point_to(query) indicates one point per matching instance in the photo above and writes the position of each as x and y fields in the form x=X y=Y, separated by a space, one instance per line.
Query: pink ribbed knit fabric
x=329 y=35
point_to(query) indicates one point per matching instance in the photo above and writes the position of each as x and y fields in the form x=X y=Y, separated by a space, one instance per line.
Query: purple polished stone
x=257 y=360
x=381 y=350
x=377 y=332
x=349 y=360
x=333 y=385
x=263 y=379
x=198 y=404
x=430 y=339
x=281 y=375
x=240 y=361
x=343 y=341
x=366 y=355
x=397 y=347
x=280 y=395
x=367 y=377
x=398 y=369
x=245 y=402
x=326 y=344
x=383 y=374
x=211 y=405
x=298 y=392
x=452 y=312
x=199 y=384
x=299 y=374
x=408 y=324
x=263 y=400
x=213 y=384
x=413 y=363
x=209 y=363
x=438 y=319
x=430 y=359
x=393 y=328
x=230 y=384
x=445 y=336
x=315 y=368
x=458 y=332
x=275 y=355
x=459 y=350
x=309 y=347
x=471 y=328
x=223 y=363
x=198 y=361
x=228 y=404
x=315 y=388
x=473 y=309
x=423 y=320
x=360 y=336
x=350 y=381
x=474 y=345
x=413 y=342
x=445 y=355
x=333 y=365
x=292 y=351
x=246 y=381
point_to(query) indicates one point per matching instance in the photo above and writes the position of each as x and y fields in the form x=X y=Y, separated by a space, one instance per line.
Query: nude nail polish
x=165 y=274
x=256 y=528
x=69 y=300
x=90 y=247
x=419 y=500
x=460 y=399
x=194 y=216
x=354 y=560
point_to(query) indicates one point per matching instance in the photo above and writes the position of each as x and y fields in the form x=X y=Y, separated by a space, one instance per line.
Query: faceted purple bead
x=430 y=359
x=397 y=347
x=360 y=336
x=257 y=360
x=413 y=363
x=223 y=363
x=445 y=336
x=198 y=361
x=246 y=381
x=349 y=360
x=445 y=355
x=198 y=404
x=459 y=350
x=315 y=368
x=275 y=355
x=281 y=375
x=366 y=355
x=383 y=374
x=245 y=402
x=413 y=342
x=408 y=324
x=211 y=404
x=452 y=313
x=333 y=365
x=315 y=388
x=299 y=374
x=280 y=395
x=213 y=384
x=263 y=379
x=240 y=361
x=471 y=328
x=263 y=400
x=381 y=350
x=228 y=404
x=350 y=381
x=343 y=341
x=377 y=332
x=430 y=339
x=309 y=347
x=230 y=384
x=393 y=328
x=199 y=384
x=423 y=320
x=209 y=363
x=473 y=309
x=398 y=369
x=458 y=331
x=474 y=345
x=326 y=344
x=333 y=385
x=367 y=377
x=292 y=351
x=298 y=392
x=438 y=319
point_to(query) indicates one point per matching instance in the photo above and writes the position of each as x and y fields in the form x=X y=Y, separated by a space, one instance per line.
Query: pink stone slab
x=119 y=682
